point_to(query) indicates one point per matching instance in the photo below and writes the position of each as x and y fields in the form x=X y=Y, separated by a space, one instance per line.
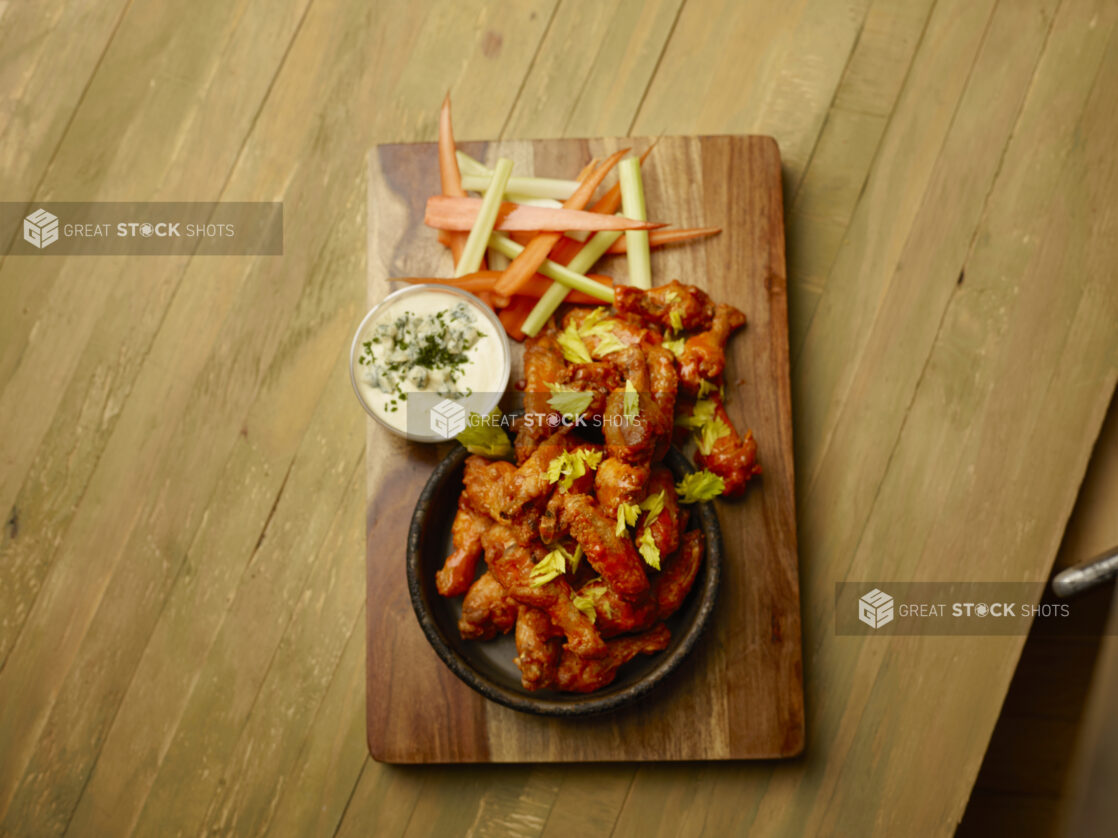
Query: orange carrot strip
x=659 y=238
x=537 y=284
x=535 y=253
x=449 y=176
x=446 y=213
x=481 y=281
x=566 y=248
x=513 y=316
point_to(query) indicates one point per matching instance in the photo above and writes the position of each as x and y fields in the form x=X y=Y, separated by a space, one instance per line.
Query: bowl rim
x=579 y=704
x=411 y=290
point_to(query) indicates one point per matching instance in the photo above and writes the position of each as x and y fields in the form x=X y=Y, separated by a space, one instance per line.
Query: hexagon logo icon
x=448 y=419
x=40 y=228
x=875 y=609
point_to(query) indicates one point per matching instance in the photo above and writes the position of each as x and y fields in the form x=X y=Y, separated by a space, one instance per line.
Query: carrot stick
x=512 y=317
x=608 y=204
x=447 y=213
x=659 y=238
x=530 y=259
x=449 y=175
x=480 y=281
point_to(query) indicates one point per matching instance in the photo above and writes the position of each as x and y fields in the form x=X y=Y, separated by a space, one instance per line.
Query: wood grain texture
x=751 y=657
x=153 y=489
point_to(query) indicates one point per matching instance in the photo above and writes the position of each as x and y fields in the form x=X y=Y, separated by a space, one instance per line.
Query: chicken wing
x=580 y=675
x=732 y=457
x=615 y=615
x=543 y=365
x=487 y=610
x=642 y=437
x=613 y=556
x=598 y=379
x=663 y=379
x=665 y=526
x=486 y=484
x=674 y=582
x=538 y=647
x=617 y=482
x=669 y=588
x=530 y=482
x=458 y=571
x=511 y=563
x=704 y=354
x=628 y=330
x=693 y=307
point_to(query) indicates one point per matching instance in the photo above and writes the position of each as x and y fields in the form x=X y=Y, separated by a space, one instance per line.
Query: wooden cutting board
x=739 y=695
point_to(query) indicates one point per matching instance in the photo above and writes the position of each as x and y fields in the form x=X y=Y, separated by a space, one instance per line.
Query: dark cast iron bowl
x=487 y=666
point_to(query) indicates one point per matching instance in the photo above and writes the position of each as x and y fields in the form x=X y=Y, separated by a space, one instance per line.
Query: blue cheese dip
x=423 y=346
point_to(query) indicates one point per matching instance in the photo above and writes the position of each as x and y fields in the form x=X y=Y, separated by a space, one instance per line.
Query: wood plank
x=400 y=178
x=314 y=799
x=587 y=801
x=832 y=185
x=787 y=805
x=298 y=675
x=954 y=482
x=880 y=227
x=592 y=69
x=336 y=259
x=776 y=73
x=74 y=364
x=288 y=513
x=37 y=104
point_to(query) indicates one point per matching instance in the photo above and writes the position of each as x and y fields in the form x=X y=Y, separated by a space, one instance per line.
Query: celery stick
x=533 y=187
x=469 y=166
x=582 y=262
x=476 y=176
x=593 y=251
x=632 y=206
x=486 y=217
x=497 y=261
x=529 y=201
x=503 y=244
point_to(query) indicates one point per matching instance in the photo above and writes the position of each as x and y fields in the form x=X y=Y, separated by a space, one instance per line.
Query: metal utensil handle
x=1077 y=579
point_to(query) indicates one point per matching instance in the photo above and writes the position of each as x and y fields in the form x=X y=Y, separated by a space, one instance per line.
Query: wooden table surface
x=181 y=457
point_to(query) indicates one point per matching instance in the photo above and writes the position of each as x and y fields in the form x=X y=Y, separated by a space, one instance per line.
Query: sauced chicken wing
x=628 y=330
x=487 y=609
x=704 y=354
x=511 y=563
x=616 y=615
x=732 y=457
x=665 y=526
x=538 y=647
x=598 y=379
x=580 y=675
x=675 y=580
x=662 y=378
x=617 y=482
x=527 y=488
x=486 y=484
x=644 y=436
x=669 y=588
x=465 y=533
x=543 y=366
x=613 y=556
x=693 y=307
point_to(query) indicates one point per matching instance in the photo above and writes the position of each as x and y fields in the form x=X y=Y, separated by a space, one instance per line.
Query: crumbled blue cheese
x=420 y=352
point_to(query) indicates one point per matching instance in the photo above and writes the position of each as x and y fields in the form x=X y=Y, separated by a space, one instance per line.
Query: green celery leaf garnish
x=485 y=436
x=699 y=486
